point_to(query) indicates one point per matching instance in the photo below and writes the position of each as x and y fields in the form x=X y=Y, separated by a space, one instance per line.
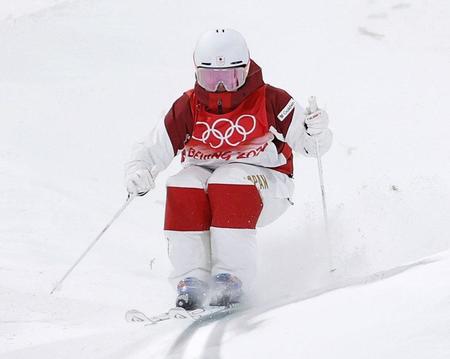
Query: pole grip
x=312 y=104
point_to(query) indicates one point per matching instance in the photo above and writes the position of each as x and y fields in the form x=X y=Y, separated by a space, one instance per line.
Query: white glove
x=139 y=182
x=324 y=141
x=316 y=122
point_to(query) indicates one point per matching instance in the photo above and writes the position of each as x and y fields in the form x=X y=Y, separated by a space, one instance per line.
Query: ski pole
x=118 y=213
x=312 y=108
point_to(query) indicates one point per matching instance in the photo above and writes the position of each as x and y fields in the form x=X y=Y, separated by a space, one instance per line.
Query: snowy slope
x=405 y=315
x=81 y=81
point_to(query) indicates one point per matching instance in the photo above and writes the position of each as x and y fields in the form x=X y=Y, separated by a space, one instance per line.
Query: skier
x=236 y=136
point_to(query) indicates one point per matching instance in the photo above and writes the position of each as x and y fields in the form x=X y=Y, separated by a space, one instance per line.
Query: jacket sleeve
x=288 y=124
x=157 y=150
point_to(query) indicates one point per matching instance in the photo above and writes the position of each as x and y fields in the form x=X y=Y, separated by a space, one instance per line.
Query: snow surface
x=81 y=80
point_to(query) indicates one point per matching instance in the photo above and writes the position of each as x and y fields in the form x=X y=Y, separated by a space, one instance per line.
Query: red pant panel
x=234 y=206
x=187 y=209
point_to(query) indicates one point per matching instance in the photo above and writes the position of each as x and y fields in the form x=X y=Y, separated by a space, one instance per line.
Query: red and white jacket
x=259 y=124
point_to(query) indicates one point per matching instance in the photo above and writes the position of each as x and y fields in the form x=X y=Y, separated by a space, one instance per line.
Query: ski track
x=245 y=319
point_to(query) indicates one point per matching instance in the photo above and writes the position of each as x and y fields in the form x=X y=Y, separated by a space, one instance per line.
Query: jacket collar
x=227 y=101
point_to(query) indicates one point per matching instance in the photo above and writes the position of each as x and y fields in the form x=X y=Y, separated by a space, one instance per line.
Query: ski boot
x=192 y=293
x=226 y=290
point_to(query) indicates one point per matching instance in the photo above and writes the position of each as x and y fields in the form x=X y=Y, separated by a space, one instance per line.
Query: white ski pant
x=212 y=215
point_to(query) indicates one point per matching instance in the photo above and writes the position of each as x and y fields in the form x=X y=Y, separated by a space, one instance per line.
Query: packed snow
x=81 y=80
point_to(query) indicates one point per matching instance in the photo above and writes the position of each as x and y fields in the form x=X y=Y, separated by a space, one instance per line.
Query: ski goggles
x=231 y=78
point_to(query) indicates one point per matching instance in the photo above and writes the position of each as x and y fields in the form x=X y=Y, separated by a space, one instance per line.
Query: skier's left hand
x=316 y=122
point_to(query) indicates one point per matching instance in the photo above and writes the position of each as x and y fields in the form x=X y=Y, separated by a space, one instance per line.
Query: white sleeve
x=154 y=152
x=300 y=141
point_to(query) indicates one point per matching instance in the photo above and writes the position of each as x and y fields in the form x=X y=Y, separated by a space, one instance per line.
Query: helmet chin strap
x=247 y=69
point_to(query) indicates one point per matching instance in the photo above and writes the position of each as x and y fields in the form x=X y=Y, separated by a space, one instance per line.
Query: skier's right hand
x=139 y=182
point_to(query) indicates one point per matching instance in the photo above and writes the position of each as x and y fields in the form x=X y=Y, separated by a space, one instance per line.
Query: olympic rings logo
x=235 y=133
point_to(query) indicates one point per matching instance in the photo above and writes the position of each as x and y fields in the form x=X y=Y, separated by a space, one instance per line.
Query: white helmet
x=221 y=48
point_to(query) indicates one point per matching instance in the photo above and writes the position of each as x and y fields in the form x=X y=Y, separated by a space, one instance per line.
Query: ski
x=201 y=314
x=136 y=316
